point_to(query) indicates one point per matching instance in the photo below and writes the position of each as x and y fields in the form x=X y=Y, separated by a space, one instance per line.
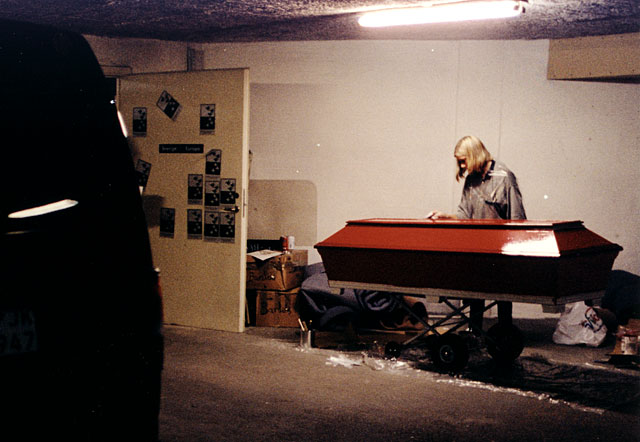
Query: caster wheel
x=392 y=349
x=505 y=342
x=449 y=353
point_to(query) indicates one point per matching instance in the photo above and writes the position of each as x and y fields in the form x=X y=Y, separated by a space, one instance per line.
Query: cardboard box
x=281 y=271
x=276 y=308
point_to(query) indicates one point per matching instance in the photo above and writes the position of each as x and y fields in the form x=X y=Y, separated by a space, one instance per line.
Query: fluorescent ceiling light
x=443 y=12
x=43 y=210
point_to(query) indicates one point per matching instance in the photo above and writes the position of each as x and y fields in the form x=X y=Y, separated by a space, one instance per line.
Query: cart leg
x=505 y=313
x=476 y=312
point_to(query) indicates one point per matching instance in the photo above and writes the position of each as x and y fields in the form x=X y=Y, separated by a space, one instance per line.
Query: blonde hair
x=477 y=156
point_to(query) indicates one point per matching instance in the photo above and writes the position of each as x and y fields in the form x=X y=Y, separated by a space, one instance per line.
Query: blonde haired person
x=490 y=188
x=490 y=192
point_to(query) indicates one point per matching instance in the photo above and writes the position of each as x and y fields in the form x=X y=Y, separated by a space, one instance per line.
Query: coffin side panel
x=449 y=271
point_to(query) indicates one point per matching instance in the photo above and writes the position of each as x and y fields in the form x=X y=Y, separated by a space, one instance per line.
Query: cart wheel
x=505 y=342
x=392 y=349
x=450 y=353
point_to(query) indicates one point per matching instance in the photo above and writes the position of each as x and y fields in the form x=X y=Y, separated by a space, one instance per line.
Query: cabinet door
x=189 y=139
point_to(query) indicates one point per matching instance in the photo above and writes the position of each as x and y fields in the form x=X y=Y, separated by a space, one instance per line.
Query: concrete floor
x=262 y=386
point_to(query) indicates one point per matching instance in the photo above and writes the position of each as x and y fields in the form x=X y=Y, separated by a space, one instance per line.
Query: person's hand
x=436 y=214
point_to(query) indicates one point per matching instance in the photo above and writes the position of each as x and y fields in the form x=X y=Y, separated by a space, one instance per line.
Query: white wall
x=373 y=124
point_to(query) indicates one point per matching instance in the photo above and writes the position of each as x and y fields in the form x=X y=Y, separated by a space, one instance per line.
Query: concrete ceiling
x=287 y=20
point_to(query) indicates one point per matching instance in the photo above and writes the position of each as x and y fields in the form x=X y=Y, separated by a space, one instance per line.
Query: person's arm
x=462 y=211
x=516 y=208
x=465 y=207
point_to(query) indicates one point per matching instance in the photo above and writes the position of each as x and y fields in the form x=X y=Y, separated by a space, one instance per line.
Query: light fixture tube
x=442 y=12
x=45 y=209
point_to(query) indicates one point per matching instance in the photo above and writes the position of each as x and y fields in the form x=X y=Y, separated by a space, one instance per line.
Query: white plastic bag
x=579 y=324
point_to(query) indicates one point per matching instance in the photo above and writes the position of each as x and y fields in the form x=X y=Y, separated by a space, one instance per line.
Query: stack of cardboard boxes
x=276 y=278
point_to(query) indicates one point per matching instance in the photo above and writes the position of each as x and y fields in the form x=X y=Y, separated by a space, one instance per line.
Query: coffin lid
x=504 y=237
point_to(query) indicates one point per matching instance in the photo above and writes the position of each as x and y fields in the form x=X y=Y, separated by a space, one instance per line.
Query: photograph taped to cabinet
x=207 y=119
x=194 y=190
x=139 y=123
x=194 y=223
x=212 y=193
x=169 y=105
x=211 y=225
x=143 y=170
x=213 y=164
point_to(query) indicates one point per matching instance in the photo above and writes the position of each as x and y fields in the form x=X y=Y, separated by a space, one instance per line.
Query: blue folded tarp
x=318 y=305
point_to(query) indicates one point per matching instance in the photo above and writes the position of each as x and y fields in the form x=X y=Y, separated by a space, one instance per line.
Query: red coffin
x=526 y=261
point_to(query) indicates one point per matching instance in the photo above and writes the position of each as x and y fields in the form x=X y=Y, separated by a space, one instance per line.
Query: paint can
x=284 y=243
x=307 y=338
